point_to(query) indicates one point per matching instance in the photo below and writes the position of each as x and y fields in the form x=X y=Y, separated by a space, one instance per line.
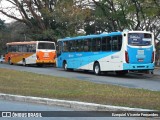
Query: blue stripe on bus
x=149 y=66
x=77 y=60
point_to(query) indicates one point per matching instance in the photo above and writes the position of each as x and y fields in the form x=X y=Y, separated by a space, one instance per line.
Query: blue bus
x=116 y=51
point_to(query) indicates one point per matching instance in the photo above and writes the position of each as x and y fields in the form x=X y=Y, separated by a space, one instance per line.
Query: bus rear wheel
x=10 y=62
x=24 y=62
x=97 y=69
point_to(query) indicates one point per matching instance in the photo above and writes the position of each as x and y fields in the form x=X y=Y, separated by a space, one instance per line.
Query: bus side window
x=59 y=48
x=96 y=44
x=80 y=45
x=72 y=46
x=89 y=44
x=20 y=49
x=65 y=46
x=104 y=44
x=116 y=43
x=24 y=48
x=8 y=48
x=33 y=48
x=14 y=48
x=28 y=48
x=76 y=46
x=86 y=49
x=109 y=43
x=69 y=44
x=119 y=42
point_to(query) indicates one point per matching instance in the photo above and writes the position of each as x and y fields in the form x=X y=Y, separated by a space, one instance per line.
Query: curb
x=70 y=104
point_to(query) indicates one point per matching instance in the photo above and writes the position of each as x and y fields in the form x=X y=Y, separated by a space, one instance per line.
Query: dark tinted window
x=139 y=39
x=96 y=44
x=49 y=46
x=66 y=46
x=79 y=45
x=106 y=44
x=116 y=43
x=59 y=48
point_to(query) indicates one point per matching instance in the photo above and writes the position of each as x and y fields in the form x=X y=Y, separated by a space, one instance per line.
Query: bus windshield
x=139 y=39
x=43 y=45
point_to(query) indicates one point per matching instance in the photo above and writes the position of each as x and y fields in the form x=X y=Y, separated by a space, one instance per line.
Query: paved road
x=19 y=106
x=141 y=81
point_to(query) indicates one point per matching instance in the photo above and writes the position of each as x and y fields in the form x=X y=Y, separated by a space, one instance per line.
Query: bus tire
x=97 y=69
x=65 y=65
x=24 y=62
x=10 y=62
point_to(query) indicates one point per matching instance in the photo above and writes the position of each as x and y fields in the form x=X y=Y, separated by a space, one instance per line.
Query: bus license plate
x=140 y=52
x=140 y=60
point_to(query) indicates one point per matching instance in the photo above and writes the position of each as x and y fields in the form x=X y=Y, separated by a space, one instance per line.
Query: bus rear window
x=49 y=46
x=139 y=39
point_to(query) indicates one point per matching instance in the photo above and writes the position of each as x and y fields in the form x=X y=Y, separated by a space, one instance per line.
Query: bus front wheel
x=97 y=69
x=65 y=65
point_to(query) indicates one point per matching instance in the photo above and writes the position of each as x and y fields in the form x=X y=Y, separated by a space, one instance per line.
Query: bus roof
x=91 y=36
x=100 y=35
x=26 y=42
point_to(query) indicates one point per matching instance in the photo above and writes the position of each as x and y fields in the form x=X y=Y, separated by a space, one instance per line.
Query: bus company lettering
x=34 y=115
x=46 y=54
x=115 y=56
x=27 y=114
x=135 y=114
x=70 y=55
x=119 y=114
x=78 y=54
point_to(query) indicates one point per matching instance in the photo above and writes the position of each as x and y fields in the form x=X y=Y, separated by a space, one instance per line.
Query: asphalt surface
x=29 y=107
x=140 y=81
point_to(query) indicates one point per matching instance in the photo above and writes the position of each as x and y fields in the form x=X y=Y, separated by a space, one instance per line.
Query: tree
x=70 y=16
x=130 y=14
x=48 y=18
x=2 y=25
x=3 y=29
x=36 y=14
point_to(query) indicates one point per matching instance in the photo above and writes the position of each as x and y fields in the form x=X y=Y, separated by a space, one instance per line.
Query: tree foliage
x=3 y=30
x=51 y=19
x=129 y=14
x=48 y=19
x=2 y=25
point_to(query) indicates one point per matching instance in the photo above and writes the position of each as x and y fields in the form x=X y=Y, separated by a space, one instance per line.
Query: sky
x=4 y=4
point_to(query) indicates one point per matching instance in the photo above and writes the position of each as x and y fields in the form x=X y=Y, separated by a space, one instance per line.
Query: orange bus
x=31 y=52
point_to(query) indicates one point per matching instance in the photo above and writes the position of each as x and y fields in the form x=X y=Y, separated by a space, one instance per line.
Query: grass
x=31 y=84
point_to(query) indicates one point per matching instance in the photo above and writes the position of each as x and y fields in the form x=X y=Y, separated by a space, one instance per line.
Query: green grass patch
x=31 y=84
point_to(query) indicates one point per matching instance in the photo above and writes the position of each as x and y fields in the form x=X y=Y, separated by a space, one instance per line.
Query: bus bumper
x=149 y=66
x=45 y=61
